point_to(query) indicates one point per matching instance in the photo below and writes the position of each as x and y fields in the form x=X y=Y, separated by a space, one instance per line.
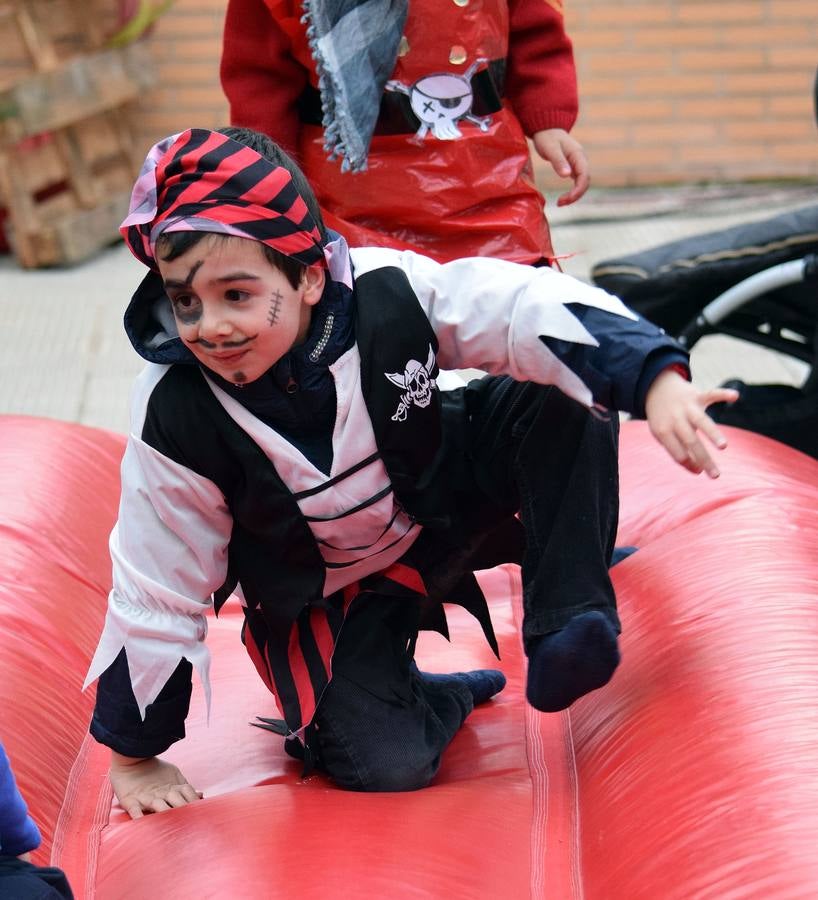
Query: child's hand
x=149 y=785
x=567 y=158
x=675 y=411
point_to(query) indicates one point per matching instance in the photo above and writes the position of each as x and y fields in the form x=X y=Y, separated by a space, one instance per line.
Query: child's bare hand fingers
x=718 y=395
x=698 y=423
x=579 y=188
x=701 y=460
x=679 y=437
x=710 y=430
x=139 y=805
x=133 y=808
x=190 y=793
x=668 y=439
x=559 y=161
x=157 y=805
x=178 y=797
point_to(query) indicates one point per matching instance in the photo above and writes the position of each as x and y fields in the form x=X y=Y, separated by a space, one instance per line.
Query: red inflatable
x=692 y=774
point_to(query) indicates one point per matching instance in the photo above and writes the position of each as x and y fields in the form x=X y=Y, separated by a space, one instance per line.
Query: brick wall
x=695 y=90
x=186 y=44
x=671 y=90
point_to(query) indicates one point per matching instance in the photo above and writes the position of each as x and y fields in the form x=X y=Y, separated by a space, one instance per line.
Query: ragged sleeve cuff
x=117 y=723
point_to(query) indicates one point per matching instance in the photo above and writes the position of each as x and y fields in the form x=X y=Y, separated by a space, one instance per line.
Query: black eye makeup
x=186 y=308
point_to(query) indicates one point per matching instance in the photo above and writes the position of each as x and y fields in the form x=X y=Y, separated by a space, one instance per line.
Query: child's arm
x=169 y=554
x=541 y=86
x=567 y=158
x=539 y=325
x=260 y=77
x=675 y=411
x=149 y=785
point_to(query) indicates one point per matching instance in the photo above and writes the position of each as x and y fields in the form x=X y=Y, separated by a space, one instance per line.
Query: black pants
x=381 y=725
x=24 y=881
x=532 y=449
x=510 y=447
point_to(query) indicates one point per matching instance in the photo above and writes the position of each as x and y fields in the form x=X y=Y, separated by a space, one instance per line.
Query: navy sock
x=483 y=684
x=564 y=665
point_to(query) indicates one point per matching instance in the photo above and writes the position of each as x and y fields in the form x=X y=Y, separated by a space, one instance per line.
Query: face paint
x=275 y=306
x=236 y=313
x=186 y=306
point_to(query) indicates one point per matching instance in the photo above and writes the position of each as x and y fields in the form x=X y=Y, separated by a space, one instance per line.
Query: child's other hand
x=149 y=785
x=567 y=158
x=675 y=411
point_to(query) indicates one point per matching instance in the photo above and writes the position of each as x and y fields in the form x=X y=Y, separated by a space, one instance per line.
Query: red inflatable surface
x=693 y=774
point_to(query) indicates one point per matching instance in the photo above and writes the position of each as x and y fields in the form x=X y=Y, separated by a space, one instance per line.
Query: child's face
x=236 y=312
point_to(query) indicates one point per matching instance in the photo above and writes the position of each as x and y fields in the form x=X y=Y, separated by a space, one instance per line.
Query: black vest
x=272 y=551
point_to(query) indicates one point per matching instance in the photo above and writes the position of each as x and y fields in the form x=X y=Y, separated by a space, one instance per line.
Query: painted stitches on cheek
x=275 y=307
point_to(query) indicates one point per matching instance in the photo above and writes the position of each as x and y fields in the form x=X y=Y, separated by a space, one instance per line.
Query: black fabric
x=783 y=412
x=146 y=331
x=24 y=881
x=272 y=551
x=626 y=348
x=117 y=723
x=671 y=283
x=380 y=726
x=391 y=331
x=396 y=116
x=528 y=448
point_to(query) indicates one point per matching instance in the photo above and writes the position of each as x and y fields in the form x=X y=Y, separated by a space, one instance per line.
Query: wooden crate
x=67 y=190
x=67 y=153
x=73 y=90
x=38 y=35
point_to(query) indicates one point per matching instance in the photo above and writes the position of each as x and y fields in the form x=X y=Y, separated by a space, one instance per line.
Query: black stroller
x=755 y=282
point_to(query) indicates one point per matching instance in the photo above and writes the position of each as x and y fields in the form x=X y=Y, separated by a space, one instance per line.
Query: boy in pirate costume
x=289 y=443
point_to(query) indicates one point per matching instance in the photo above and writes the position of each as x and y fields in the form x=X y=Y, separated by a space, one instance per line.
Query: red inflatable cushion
x=692 y=774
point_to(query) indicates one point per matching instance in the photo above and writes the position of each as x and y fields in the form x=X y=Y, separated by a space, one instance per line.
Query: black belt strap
x=396 y=116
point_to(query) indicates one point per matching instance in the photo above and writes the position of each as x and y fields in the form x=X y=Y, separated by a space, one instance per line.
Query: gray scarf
x=355 y=45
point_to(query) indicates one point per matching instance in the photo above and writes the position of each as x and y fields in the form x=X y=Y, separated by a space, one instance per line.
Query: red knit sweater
x=489 y=205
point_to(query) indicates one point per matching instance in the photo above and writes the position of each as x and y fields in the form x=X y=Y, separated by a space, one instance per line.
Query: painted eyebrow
x=225 y=279
x=237 y=276
x=173 y=283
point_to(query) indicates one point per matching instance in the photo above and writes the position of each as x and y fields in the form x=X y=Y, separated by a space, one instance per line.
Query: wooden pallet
x=67 y=154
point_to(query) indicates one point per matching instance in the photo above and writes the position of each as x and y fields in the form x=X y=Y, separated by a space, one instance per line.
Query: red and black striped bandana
x=201 y=180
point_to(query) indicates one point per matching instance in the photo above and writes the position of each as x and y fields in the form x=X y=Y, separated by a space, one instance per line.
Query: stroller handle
x=793 y=272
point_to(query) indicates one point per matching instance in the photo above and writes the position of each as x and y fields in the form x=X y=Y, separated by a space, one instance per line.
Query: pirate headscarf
x=202 y=180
